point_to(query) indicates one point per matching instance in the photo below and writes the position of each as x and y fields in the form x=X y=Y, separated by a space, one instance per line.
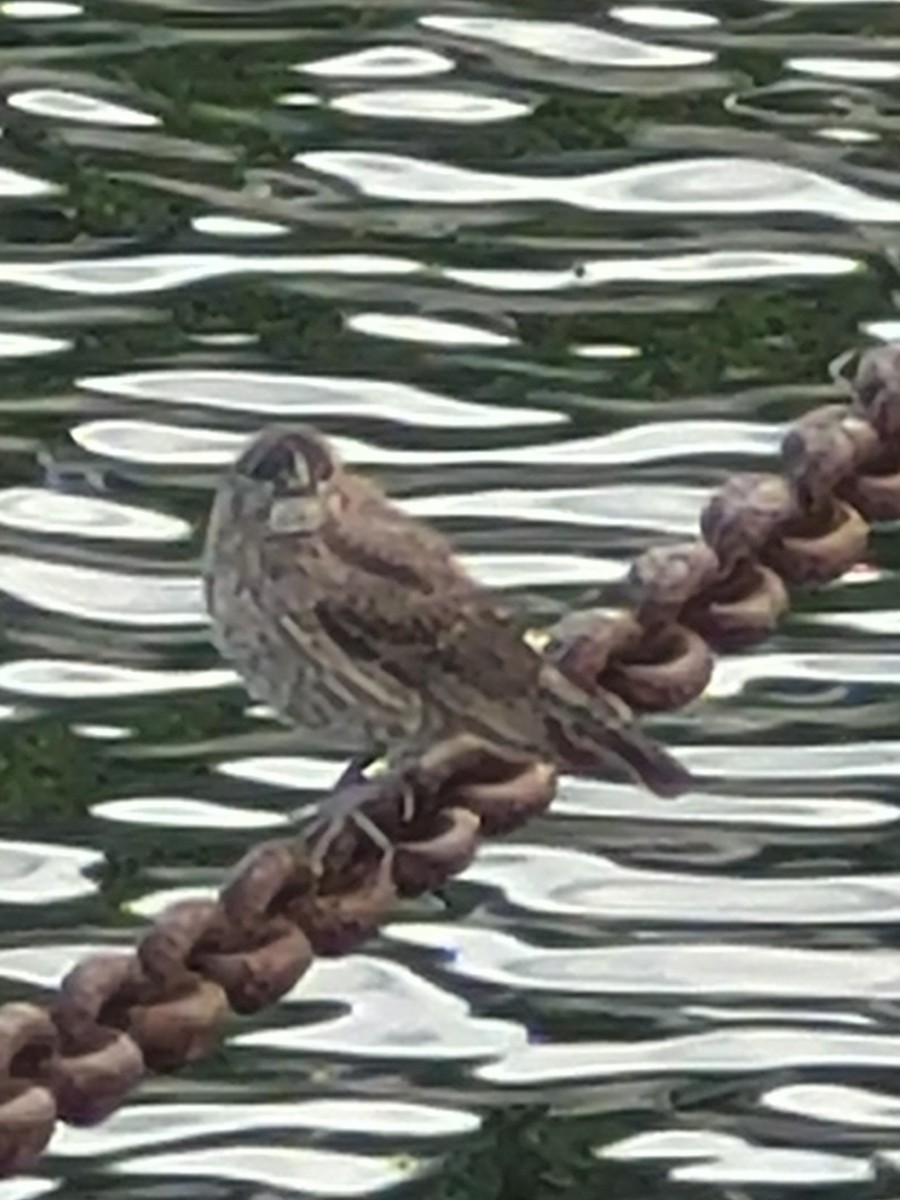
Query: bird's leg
x=320 y=823
x=355 y=770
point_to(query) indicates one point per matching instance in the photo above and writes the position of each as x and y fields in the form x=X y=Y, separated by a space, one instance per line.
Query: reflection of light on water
x=38 y=10
x=542 y=879
x=541 y=570
x=14 y=184
x=714 y=185
x=429 y=104
x=852 y=1106
x=102 y=733
x=663 y=17
x=26 y=1187
x=713 y=1157
x=160 y=272
x=263 y=392
x=580 y=45
x=848 y=134
x=153 y=1124
x=287 y=1168
x=164 y=812
x=411 y=328
x=603 y=801
x=726 y=1051
x=606 y=350
x=294 y=771
x=77 y=679
x=674 y=269
x=39 y=510
x=225 y=225
x=24 y=345
x=664 y=968
x=94 y=594
x=870 y=70
x=155 y=442
x=44 y=966
x=37 y=873
x=673 y=509
x=393 y=1013
x=380 y=62
x=73 y=106
x=732 y=675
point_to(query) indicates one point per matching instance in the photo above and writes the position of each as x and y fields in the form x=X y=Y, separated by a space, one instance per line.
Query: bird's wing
x=460 y=651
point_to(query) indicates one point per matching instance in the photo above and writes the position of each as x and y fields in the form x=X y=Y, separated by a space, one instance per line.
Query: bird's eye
x=271 y=464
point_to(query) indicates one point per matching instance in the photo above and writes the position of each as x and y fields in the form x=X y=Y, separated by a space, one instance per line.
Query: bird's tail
x=591 y=733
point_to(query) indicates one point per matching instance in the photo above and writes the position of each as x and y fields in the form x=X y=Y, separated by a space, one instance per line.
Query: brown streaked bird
x=346 y=615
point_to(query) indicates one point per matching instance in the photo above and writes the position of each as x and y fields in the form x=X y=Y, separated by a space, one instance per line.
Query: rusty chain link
x=162 y=1005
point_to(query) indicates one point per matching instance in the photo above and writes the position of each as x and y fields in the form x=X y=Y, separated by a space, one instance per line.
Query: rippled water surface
x=550 y=271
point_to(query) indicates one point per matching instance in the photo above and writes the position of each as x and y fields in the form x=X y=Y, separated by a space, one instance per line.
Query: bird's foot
x=321 y=823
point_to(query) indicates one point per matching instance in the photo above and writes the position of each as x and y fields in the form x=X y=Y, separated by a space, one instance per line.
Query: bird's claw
x=346 y=804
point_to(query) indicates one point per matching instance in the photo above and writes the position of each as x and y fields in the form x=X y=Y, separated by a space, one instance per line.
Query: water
x=550 y=272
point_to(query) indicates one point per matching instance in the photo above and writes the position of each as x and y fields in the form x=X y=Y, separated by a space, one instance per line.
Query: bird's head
x=281 y=479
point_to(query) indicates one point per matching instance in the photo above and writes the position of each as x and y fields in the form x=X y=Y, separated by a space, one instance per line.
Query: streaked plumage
x=348 y=616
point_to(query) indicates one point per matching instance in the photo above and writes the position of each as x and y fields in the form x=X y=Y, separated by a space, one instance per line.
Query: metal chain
x=161 y=1005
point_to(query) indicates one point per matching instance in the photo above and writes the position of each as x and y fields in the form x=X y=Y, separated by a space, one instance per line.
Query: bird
x=348 y=616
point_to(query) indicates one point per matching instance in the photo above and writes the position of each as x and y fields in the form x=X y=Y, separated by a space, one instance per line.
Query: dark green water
x=550 y=272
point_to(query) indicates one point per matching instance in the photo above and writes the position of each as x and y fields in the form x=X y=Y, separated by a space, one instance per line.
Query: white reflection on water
x=145 y=273
x=652 y=506
x=226 y=225
x=723 y=1158
x=542 y=879
x=286 y=1168
x=27 y=1187
x=541 y=570
x=149 y=273
x=155 y=1124
x=39 y=510
x=40 y=873
x=93 y=594
x=838 y=1103
x=868 y=70
x=826 y=762
x=388 y=61
x=101 y=733
x=166 y=812
x=78 y=679
x=663 y=16
x=14 y=184
x=608 y=801
x=715 y=186
x=27 y=345
x=445 y=106
x=155 y=442
x=263 y=392
x=392 y=1013
x=74 y=106
x=735 y=1050
x=430 y=330
x=294 y=771
x=659 y=968
x=579 y=45
x=40 y=10
x=676 y=270
x=43 y=966
x=732 y=675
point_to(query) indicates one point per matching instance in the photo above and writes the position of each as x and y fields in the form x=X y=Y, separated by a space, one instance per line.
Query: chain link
x=162 y=1005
